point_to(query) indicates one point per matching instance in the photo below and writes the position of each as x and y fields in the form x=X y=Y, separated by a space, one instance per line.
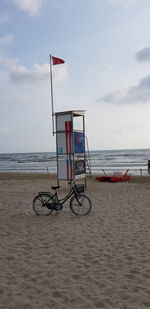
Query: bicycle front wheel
x=80 y=205
x=39 y=204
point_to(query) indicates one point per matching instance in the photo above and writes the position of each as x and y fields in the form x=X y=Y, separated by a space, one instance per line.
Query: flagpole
x=51 y=81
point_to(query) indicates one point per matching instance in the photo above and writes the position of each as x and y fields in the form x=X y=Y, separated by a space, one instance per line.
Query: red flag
x=57 y=61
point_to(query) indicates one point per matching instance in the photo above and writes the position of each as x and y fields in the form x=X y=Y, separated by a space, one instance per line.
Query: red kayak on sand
x=114 y=178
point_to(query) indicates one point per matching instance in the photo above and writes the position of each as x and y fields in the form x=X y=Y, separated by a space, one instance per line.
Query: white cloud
x=110 y=67
x=4 y=130
x=22 y=74
x=133 y=94
x=60 y=73
x=22 y=97
x=7 y=63
x=39 y=72
x=6 y=39
x=31 y=6
x=143 y=55
x=127 y=127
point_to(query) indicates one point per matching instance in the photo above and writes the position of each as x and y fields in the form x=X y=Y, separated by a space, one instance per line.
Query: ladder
x=87 y=159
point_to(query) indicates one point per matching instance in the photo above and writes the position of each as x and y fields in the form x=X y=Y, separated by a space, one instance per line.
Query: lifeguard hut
x=70 y=145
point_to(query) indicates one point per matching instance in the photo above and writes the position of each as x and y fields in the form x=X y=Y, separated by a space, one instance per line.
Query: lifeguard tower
x=70 y=145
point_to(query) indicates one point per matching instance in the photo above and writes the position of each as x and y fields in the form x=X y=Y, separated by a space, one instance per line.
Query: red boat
x=114 y=178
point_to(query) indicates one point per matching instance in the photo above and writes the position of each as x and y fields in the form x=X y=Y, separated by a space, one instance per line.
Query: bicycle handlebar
x=72 y=183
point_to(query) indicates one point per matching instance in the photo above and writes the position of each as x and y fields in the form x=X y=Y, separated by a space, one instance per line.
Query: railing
x=133 y=171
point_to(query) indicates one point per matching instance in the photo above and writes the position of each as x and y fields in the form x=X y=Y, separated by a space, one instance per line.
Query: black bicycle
x=46 y=202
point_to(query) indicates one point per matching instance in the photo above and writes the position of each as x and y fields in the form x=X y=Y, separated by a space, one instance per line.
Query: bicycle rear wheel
x=80 y=205
x=39 y=204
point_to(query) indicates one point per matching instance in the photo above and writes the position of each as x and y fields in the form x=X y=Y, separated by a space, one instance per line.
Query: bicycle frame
x=64 y=199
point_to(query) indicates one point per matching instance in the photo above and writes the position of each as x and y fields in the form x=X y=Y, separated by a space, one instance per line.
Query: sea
x=101 y=161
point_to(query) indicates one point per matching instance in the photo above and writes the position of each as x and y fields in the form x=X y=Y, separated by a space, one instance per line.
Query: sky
x=106 y=48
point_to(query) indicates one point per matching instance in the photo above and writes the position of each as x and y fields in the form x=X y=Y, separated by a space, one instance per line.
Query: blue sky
x=106 y=48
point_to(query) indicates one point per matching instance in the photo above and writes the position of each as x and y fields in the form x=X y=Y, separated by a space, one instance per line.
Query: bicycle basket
x=79 y=188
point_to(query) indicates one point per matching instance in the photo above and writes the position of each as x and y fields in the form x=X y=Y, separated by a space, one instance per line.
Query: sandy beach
x=70 y=262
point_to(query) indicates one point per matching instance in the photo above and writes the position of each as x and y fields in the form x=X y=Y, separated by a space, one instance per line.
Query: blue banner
x=79 y=142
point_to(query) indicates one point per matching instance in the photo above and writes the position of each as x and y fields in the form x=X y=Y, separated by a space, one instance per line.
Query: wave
x=40 y=162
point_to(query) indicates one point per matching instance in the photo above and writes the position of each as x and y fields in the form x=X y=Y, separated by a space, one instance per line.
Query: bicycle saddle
x=55 y=187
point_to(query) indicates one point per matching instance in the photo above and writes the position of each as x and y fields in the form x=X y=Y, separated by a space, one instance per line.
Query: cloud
x=4 y=130
x=6 y=39
x=7 y=63
x=39 y=72
x=133 y=94
x=60 y=73
x=30 y=6
x=22 y=74
x=143 y=55
x=127 y=127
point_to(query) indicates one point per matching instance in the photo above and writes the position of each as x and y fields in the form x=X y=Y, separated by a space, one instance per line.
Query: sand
x=69 y=262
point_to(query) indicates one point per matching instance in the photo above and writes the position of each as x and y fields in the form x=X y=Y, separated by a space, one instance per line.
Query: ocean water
x=112 y=161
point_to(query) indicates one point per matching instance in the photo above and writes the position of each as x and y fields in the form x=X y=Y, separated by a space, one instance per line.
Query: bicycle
x=46 y=202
